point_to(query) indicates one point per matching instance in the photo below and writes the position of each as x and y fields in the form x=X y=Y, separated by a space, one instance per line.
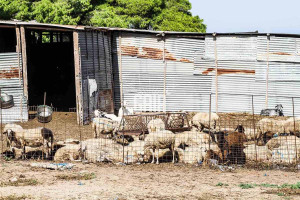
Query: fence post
x=209 y=121
x=253 y=121
x=1 y=125
x=295 y=128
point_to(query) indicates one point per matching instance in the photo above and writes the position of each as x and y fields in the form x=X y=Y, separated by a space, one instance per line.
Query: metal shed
x=155 y=70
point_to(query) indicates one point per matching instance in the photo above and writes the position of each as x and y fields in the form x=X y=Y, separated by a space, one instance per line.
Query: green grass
x=222 y=184
x=20 y=182
x=246 y=185
x=77 y=177
x=267 y=185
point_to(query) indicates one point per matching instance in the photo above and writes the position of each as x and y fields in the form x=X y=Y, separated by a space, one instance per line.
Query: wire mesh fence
x=200 y=138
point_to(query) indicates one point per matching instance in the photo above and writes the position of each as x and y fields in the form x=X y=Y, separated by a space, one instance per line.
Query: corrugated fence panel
x=281 y=49
x=231 y=48
x=11 y=82
x=95 y=57
x=236 y=71
x=142 y=71
x=184 y=90
x=190 y=77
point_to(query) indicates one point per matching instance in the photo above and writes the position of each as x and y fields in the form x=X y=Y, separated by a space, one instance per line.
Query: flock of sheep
x=273 y=140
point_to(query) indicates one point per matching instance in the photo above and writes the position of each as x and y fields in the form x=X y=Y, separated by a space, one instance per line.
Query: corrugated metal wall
x=11 y=82
x=243 y=64
x=95 y=59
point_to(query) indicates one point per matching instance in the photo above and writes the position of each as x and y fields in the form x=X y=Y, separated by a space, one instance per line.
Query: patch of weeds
x=222 y=184
x=20 y=182
x=267 y=185
x=76 y=177
x=246 y=186
x=6 y=158
x=280 y=194
x=14 y=197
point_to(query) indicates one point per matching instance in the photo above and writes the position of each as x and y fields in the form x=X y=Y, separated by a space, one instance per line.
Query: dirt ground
x=150 y=181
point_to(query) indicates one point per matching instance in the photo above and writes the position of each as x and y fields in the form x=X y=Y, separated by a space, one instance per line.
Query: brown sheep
x=232 y=145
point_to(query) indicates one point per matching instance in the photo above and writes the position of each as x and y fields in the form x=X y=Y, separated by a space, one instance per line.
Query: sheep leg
x=153 y=152
x=157 y=162
x=173 y=152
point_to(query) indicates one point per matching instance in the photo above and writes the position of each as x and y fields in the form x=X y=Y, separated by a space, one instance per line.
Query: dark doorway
x=51 y=69
x=8 y=40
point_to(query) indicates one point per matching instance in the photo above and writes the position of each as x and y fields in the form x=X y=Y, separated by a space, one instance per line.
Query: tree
x=166 y=15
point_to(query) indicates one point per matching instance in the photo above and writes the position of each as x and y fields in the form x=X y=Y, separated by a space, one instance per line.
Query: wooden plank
x=18 y=50
x=24 y=59
x=77 y=78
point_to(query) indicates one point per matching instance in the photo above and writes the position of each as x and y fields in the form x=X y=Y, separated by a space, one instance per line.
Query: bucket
x=7 y=101
x=44 y=114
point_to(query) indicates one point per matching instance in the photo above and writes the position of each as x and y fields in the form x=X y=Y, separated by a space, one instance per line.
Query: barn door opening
x=51 y=68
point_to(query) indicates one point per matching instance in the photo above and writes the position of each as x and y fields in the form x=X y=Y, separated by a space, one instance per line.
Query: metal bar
x=165 y=72
x=86 y=46
x=253 y=121
x=295 y=129
x=209 y=121
x=105 y=67
x=267 y=75
x=216 y=65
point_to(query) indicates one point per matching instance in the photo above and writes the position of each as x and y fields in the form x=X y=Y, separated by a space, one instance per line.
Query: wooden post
x=120 y=70
x=165 y=73
x=267 y=75
x=216 y=71
x=77 y=77
x=24 y=59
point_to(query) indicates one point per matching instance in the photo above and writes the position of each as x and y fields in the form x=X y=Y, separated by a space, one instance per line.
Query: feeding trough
x=44 y=114
x=7 y=101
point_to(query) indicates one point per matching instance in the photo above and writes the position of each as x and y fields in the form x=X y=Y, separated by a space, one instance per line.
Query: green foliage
x=246 y=185
x=70 y=12
x=15 y=9
x=164 y=15
x=222 y=184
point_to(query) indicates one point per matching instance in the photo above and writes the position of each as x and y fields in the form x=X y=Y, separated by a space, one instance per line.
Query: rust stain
x=8 y=74
x=130 y=50
x=151 y=53
x=281 y=53
x=185 y=60
x=228 y=71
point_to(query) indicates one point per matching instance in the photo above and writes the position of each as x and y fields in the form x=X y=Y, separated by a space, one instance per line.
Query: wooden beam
x=77 y=78
x=24 y=59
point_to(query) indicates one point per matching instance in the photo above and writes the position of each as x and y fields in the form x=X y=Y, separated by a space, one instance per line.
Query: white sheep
x=104 y=127
x=160 y=140
x=156 y=125
x=196 y=153
x=272 y=125
x=192 y=137
x=259 y=153
x=201 y=120
x=68 y=152
x=289 y=125
x=101 y=149
x=284 y=149
x=134 y=152
x=29 y=137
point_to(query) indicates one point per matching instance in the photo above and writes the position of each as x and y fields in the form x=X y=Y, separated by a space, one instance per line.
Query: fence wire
x=183 y=137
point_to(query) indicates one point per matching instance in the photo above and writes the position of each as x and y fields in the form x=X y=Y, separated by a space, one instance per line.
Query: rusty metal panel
x=231 y=48
x=95 y=59
x=281 y=49
x=142 y=71
x=11 y=82
x=184 y=90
